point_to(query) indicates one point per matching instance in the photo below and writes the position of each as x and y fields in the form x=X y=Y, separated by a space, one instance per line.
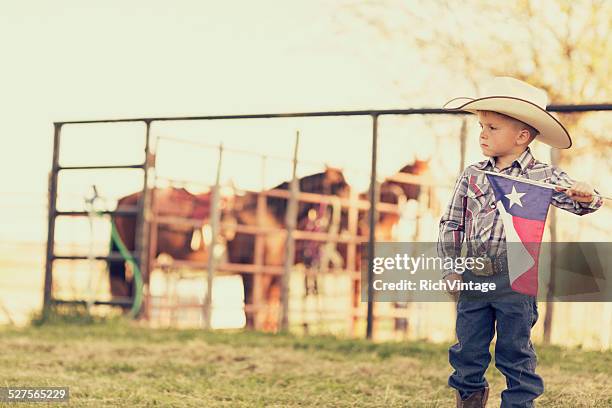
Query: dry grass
x=119 y=364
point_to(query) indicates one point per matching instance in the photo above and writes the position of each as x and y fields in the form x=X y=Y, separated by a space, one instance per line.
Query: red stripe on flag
x=530 y=232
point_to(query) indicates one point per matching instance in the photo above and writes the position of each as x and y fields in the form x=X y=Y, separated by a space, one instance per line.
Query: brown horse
x=241 y=249
x=174 y=240
x=177 y=240
x=393 y=192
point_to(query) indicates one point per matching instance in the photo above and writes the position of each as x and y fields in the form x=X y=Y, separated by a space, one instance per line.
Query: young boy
x=511 y=114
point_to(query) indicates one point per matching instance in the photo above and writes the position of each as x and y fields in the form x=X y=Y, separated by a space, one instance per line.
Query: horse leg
x=271 y=284
x=119 y=285
x=248 y=287
x=273 y=291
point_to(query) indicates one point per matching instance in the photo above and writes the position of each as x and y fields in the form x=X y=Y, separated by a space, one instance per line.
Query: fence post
x=462 y=144
x=351 y=258
x=462 y=148
x=215 y=215
x=142 y=224
x=550 y=305
x=153 y=227
x=290 y=221
x=48 y=288
x=372 y=217
x=259 y=255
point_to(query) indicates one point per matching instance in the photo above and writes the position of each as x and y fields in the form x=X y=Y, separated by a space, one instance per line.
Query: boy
x=511 y=114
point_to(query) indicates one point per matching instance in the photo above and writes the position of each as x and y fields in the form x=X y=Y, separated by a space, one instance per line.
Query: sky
x=70 y=60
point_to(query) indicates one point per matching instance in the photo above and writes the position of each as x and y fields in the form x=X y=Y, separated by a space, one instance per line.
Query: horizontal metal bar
x=113 y=166
x=112 y=302
x=389 y=314
x=265 y=116
x=113 y=256
x=592 y=107
x=249 y=308
x=417 y=180
x=299 y=235
x=123 y=211
x=255 y=229
x=229 y=268
x=316 y=198
x=232 y=268
x=225 y=267
x=375 y=112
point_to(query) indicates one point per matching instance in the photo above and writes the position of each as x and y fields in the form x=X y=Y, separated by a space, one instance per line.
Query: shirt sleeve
x=452 y=223
x=564 y=202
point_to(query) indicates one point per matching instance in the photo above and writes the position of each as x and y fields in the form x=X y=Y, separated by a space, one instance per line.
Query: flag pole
x=538 y=183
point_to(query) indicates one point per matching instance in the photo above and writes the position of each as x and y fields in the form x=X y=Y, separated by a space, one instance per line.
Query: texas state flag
x=523 y=208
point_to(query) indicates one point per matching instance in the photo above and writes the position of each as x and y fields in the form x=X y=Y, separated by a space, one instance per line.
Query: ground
x=121 y=364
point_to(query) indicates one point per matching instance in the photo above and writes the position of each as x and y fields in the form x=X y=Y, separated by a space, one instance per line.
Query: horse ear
x=422 y=165
x=334 y=169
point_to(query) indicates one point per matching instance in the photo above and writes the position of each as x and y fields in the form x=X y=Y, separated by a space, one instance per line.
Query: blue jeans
x=515 y=357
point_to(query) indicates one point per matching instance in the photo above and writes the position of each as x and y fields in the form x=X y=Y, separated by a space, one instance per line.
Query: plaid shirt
x=472 y=215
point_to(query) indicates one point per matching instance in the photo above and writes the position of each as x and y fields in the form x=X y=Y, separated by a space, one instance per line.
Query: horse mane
x=313 y=183
x=325 y=182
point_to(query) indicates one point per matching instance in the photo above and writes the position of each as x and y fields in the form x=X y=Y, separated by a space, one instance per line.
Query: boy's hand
x=453 y=277
x=580 y=191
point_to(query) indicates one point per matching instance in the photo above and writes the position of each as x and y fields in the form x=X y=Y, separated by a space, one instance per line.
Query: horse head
x=336 y=182
x=393 y=191
x=331 y=182
x=396 y=191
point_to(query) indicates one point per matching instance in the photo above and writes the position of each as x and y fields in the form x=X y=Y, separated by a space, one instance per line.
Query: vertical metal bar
x=259 y=256
x=214 y=229
x=550 y=305
x=152 y=226
x=351 y=258
x=291 y=223
x=144 y=210
x=372 y=237
x=353 y=229
x=462 y=149
x=462 y=144
x=152 y=253
x=53 y=176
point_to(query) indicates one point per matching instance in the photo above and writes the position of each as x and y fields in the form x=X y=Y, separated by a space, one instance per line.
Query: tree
x=561 y=46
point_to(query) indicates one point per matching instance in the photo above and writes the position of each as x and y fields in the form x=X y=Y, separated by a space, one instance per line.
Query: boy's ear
x=523 y=137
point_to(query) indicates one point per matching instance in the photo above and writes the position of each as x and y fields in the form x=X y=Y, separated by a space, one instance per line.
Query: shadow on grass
x=76 y=314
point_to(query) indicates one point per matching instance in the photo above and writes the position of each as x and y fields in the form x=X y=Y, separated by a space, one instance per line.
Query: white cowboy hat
x=521 y=101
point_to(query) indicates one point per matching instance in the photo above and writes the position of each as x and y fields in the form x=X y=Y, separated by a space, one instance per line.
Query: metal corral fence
x=147 y=220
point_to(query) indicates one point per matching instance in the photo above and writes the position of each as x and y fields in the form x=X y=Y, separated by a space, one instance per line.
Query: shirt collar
x=523 y=160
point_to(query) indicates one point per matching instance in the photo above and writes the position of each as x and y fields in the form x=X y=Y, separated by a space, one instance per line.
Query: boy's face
x=500 y=135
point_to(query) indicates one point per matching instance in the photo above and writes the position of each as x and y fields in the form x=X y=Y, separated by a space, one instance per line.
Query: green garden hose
x=126 y=254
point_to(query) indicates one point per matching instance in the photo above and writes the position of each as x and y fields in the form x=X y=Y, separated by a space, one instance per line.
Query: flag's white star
x=514 y=197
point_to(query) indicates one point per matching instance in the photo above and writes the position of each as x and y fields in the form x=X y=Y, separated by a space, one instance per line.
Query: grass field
x=120 y=364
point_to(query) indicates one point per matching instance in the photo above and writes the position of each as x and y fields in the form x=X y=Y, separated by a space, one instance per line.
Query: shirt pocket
x=481 y=210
